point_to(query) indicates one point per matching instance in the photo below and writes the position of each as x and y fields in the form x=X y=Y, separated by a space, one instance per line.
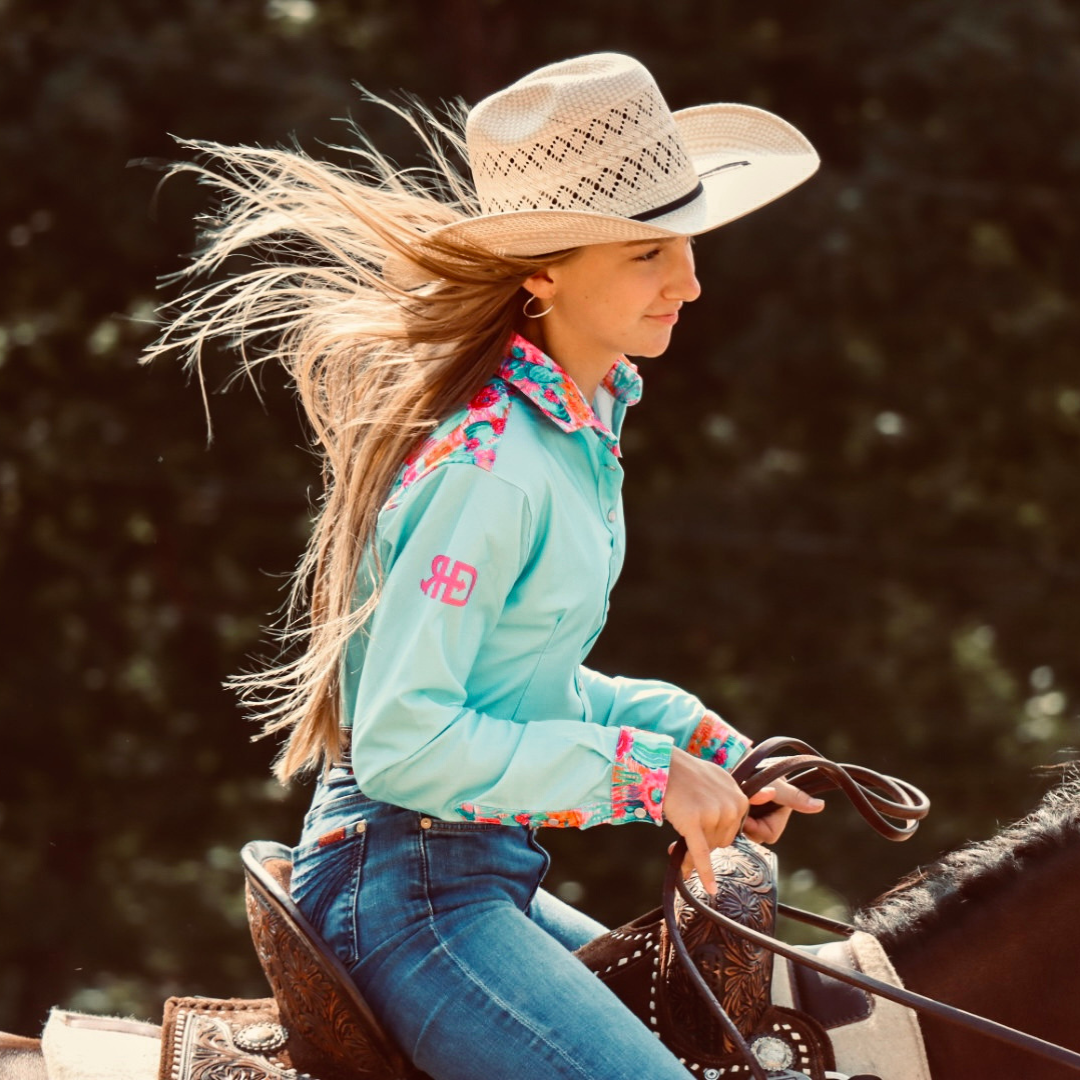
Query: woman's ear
x=540 y=285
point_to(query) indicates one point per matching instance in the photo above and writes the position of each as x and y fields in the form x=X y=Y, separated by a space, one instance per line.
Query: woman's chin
x=647 y=350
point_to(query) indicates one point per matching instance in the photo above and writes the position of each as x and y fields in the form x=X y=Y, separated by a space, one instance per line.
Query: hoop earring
x=540 y=314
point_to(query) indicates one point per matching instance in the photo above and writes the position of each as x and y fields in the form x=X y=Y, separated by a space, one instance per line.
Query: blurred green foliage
x=851 y=484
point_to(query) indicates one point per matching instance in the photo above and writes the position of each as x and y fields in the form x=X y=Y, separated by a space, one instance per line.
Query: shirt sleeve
x=451 y=552
x=660 y=707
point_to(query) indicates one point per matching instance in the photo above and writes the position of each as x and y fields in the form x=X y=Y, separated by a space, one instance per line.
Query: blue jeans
x=463 y=958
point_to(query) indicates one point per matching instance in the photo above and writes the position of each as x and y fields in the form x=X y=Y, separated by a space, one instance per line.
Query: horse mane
x=930 y=898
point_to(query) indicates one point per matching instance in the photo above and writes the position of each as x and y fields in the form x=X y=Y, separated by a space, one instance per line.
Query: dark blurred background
x=852 y=484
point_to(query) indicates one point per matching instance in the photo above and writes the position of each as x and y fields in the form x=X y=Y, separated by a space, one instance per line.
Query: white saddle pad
x=81 y=1047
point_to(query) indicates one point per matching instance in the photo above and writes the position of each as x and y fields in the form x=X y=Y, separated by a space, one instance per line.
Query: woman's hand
x=708 y=809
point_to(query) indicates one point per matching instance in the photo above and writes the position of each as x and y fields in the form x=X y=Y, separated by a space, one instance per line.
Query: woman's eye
x=647 y=256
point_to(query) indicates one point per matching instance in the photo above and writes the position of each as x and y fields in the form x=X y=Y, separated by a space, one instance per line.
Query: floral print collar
x=534 y=375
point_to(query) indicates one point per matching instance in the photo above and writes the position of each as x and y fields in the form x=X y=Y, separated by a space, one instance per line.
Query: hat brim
x=745 y=158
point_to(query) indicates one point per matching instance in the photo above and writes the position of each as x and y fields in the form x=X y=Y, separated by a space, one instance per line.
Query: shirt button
x=611 y=515
x=641 y=812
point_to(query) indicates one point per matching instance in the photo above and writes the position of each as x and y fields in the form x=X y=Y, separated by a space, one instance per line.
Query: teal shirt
x=499 y=545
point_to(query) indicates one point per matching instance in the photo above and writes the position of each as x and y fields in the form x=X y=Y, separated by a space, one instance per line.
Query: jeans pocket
x=468 y=862
x=325 y=885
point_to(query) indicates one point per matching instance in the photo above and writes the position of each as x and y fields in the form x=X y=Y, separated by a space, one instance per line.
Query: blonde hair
x=376 y=364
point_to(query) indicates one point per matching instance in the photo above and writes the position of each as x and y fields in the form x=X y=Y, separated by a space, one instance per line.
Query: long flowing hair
x=384 y=332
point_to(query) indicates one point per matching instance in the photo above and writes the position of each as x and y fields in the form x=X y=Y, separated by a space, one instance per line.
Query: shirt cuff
x=639 y=776
x=715 y=741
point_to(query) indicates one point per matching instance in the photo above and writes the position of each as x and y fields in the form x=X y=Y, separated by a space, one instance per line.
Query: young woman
x=460 y=350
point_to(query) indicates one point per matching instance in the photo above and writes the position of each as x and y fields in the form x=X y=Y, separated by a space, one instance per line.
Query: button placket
x=611 y=485
x=607 y=475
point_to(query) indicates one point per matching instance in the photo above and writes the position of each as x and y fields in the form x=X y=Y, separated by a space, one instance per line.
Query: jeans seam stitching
x=354 y=900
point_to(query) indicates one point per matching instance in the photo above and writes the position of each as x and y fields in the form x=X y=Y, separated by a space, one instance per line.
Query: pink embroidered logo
x=452 y=580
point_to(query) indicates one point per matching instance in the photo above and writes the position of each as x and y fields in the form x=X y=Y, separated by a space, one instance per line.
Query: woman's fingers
x=705 y=872
x=768 y=829
x=699 y=858
x=785 y=794
x=788 y=798
x=789 y=795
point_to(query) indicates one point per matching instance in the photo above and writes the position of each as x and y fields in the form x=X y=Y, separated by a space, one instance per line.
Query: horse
x=992 y=928
x=989 y=927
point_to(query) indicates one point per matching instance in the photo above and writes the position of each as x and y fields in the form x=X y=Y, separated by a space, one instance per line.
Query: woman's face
x=611 y=300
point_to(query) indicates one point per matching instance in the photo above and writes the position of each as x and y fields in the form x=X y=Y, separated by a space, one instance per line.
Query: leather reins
x=878 y=798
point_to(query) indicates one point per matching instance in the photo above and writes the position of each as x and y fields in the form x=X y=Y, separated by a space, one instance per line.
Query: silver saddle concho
x=638 y=962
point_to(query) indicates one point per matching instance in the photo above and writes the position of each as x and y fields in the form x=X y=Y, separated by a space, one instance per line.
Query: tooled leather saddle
x=318 y=1023
x=640 y=963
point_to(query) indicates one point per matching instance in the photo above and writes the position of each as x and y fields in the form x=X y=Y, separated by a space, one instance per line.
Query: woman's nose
x=683 y=284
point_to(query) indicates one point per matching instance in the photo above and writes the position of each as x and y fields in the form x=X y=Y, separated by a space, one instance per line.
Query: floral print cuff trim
x=640 y=775
x=638 y=783
x=718 y=742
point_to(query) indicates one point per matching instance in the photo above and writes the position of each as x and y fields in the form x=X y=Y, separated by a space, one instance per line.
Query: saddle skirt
x=869 y=1035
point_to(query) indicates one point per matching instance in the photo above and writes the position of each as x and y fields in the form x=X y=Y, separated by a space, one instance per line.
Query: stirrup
x=333 y=1033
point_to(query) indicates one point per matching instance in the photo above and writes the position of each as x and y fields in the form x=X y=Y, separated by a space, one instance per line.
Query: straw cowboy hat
x=586 y=151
